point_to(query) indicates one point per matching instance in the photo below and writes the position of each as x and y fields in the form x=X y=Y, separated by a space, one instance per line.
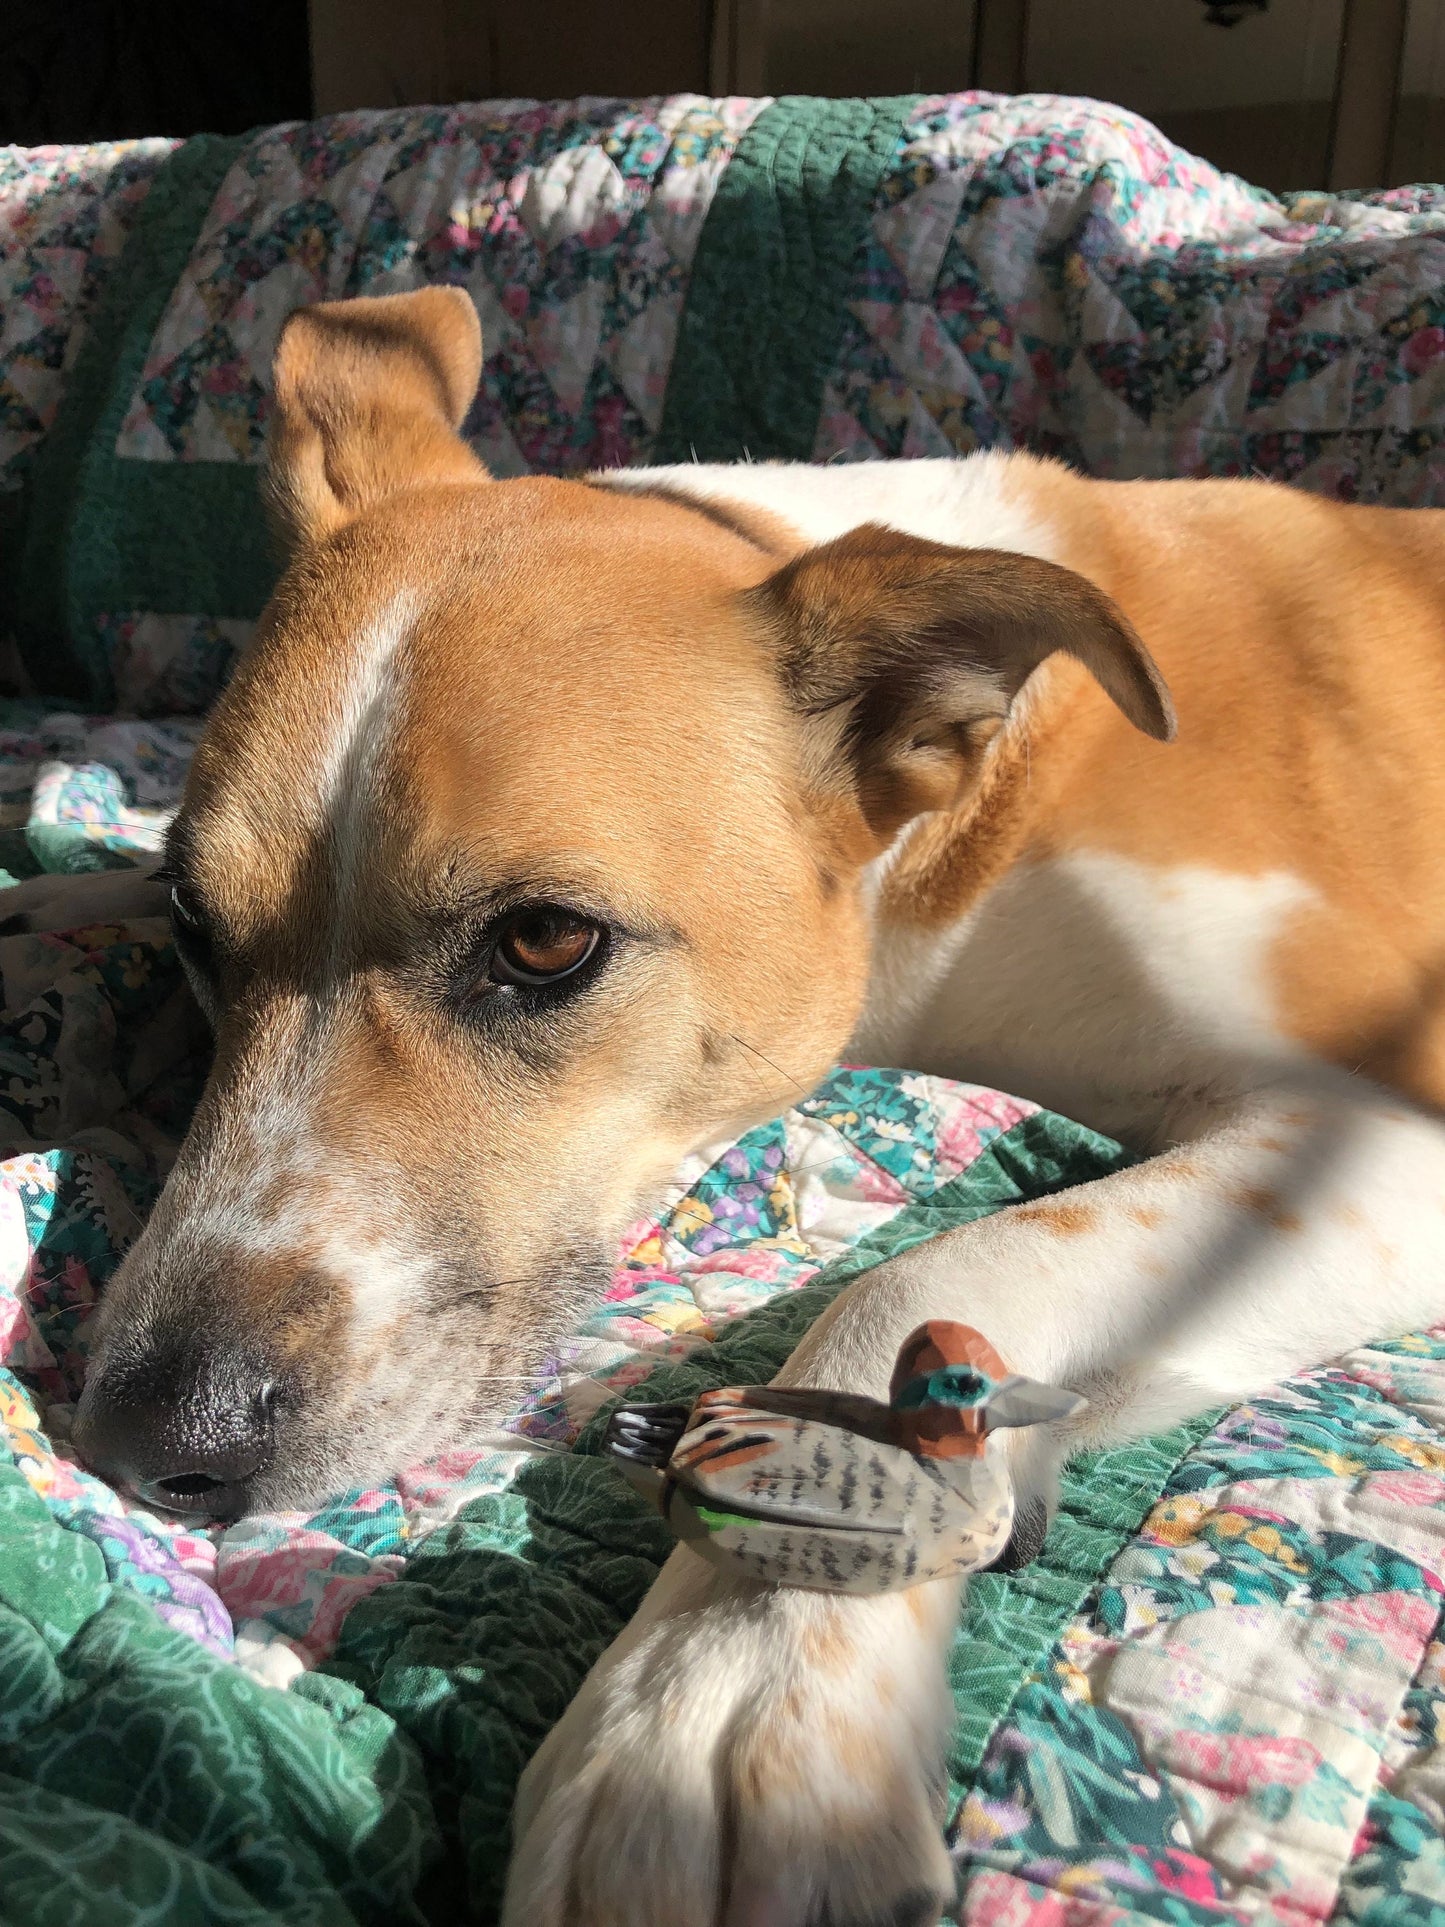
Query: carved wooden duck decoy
x=837 y=1492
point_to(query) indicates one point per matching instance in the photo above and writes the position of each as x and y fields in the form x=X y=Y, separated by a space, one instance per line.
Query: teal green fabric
x=97 y=533
x=1011 y=1620
x=146 y=1783
x=765 y=305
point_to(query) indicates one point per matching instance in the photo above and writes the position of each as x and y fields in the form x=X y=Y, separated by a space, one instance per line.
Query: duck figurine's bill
x=837 y=1492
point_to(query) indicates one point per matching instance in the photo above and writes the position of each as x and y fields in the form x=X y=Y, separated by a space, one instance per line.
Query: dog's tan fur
x=798 y=776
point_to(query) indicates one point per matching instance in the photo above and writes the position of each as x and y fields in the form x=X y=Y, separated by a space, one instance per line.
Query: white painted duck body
x=840 y=1493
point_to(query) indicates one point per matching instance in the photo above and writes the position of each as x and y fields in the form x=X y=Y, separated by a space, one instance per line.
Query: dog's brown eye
x=542 y=946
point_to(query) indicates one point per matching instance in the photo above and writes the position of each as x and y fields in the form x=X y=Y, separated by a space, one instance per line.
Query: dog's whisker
x=490 y=1286
x=796 y=1082
x=519 y=1378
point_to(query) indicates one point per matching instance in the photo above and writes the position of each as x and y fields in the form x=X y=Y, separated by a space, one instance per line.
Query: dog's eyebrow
x=177 y=854
x=466 y=899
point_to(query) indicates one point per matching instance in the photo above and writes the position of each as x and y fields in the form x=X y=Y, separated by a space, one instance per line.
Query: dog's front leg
x=747 y=1757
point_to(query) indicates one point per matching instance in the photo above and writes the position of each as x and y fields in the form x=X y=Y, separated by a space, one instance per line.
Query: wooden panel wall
x=389 y=53
x=1305 y=93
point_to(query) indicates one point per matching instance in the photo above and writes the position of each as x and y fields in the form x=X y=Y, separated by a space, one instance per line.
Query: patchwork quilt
x=1216 y=1697
x=826 y=280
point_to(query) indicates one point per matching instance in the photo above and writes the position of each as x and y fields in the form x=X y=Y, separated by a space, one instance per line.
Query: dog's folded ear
x=369 y=395
x=905 y=656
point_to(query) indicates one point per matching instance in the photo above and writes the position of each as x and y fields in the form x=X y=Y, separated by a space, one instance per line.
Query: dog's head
x=525 y=852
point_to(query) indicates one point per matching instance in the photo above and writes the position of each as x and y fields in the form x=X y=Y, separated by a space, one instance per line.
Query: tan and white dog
x=550 y=829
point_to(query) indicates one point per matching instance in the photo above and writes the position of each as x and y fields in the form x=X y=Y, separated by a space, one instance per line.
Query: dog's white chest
x=1093 y=984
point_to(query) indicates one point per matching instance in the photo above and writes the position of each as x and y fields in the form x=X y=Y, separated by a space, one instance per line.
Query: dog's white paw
x=744 y=1757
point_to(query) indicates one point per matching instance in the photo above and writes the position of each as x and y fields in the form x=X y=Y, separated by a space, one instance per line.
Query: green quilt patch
x=146 y=1783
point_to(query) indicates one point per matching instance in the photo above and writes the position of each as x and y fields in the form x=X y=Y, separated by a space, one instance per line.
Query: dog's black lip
x=222 y=1506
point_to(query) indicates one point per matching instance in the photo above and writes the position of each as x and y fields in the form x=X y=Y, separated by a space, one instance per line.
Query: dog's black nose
x=188 y=1437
